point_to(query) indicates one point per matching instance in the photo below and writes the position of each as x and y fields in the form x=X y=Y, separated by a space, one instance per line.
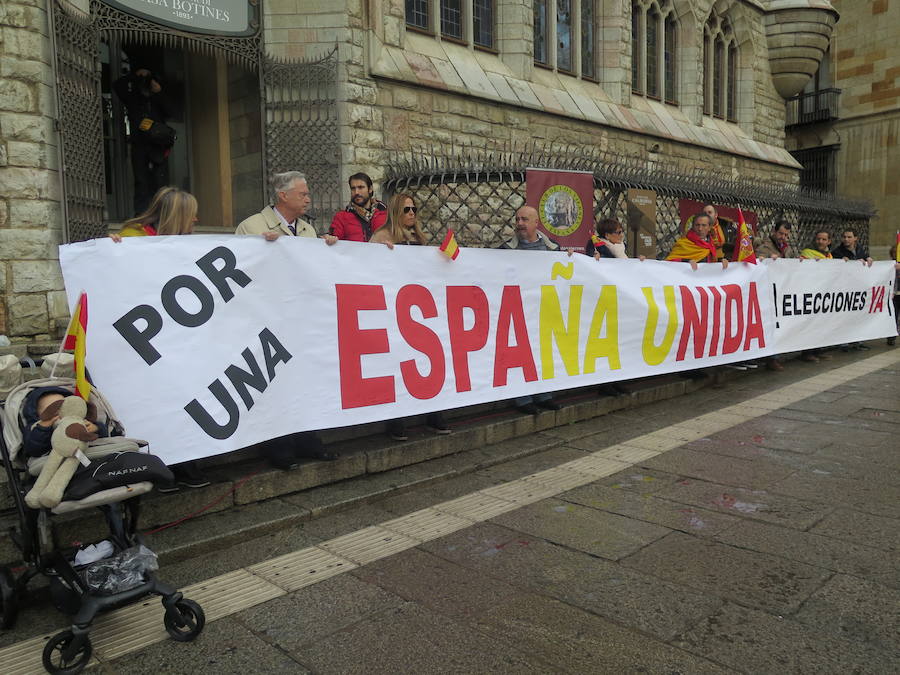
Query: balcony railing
x=816 y=106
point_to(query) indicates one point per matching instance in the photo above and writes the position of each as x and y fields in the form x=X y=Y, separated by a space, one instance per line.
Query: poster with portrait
x=565 y=204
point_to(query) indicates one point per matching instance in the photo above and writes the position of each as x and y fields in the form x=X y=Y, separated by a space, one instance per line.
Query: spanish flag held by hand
x=743 y=243
x=76 y=337
x=449 y=247
x=897 y=248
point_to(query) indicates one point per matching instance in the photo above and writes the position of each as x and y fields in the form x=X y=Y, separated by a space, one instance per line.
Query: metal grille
x=301 y=128
x=476 y=191
x=80 y=116
x=818 y=167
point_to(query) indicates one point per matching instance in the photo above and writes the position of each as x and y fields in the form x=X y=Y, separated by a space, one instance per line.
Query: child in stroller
x=73 y=586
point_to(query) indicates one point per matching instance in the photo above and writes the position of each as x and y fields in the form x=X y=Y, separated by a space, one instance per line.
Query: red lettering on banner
x=420 y=338
x=717 y=313
x=754 y=320
x=734 y=319
x=694 y=324
x=354 y=342
x=877 y=301
x=463 y=341
x=519 y=355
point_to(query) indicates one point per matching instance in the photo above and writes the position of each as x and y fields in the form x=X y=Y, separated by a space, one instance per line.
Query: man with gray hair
x=290 y=199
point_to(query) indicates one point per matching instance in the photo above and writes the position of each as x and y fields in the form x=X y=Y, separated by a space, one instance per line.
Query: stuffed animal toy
x=68 y=440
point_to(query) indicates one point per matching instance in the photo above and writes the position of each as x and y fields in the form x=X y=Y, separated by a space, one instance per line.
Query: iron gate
x=477 y=191
x=299 y=121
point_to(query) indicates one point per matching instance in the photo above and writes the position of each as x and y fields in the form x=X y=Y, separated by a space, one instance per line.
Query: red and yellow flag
x=449 y=247
x=76 y=337
x=743 y=243
x=897 y=248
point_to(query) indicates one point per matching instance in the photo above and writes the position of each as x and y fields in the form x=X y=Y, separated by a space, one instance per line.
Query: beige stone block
x=31 y=18
x=25 y=70
x=333 y=20
x=38 y=155
x=406 y=99
x=4 y=213
x=27 y=314
x=28 y=183
x=32 y=276
x=25 y=44
x=17 y=96
x=30 y=244
x=57 y=305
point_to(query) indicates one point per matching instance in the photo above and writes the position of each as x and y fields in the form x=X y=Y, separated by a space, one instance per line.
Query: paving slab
x=815 y=549
x=382 y=644
x=314 y=613
x=599 y=533
x=747 y=577
x=752 y=504
x=576 y=641
x=868 y=495
x=428 y=495
x=854 y=609
x=509 y=471
x=224 y=647
x=861 y=528
x=626 y=596
x=645 y=507
x=753 y=473
x=751 y=641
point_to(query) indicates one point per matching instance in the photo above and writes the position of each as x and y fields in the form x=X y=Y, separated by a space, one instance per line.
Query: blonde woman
x=402 y=226
x=171 y=211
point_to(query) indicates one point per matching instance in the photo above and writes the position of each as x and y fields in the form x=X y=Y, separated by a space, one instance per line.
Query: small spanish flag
x=76 y=337
x=897 y=248
x=743 y=243
x=449 y=247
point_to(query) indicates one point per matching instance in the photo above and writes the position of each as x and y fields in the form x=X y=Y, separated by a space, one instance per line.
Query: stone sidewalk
x=767 y=545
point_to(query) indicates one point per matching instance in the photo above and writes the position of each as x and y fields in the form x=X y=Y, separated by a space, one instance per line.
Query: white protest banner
x=828 y=302
x=208 y=344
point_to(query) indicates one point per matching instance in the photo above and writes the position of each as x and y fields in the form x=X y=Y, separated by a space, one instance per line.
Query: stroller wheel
x=9 y=603
x=185 y=620
x=63 y=656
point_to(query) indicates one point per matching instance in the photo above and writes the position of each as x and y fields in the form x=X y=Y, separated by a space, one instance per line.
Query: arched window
x=565 y=39
x=654 y=32
x=720 y=69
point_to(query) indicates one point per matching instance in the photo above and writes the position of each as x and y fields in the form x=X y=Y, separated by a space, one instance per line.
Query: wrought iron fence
x=476 y=191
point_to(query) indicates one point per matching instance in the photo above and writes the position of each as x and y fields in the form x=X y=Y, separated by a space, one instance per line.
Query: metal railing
x=810 y=108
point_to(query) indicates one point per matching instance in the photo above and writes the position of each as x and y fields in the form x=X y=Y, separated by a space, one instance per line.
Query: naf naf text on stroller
x=83 y=585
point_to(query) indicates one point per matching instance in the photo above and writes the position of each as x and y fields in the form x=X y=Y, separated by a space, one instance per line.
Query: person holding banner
x=171 y=211
x=290 y=200
x=402 y=228
x=363 y=215
x=895 y=254
x=820 y=249
x=609 y=242
x=849 y=248
x=402 y=225
x=776 y=245
x=696 y=246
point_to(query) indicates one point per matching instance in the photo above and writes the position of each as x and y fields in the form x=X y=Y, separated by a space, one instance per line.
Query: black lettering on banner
x=220 y=276
x=807 y=303
x=273 y=354
x=137 y=338
x=176 y=311
x=786 y=305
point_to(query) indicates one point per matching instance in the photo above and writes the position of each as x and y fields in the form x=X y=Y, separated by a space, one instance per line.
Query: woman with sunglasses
x=609 y=242
x=402 y=227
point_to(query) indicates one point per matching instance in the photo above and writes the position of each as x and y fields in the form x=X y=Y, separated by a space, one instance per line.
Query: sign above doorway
x=212 y=17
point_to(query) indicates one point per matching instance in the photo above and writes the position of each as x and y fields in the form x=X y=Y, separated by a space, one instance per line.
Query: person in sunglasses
x=402 y=225
x=609 y=242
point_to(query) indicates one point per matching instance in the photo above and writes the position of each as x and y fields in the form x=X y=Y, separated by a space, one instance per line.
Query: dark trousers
x=150 y=167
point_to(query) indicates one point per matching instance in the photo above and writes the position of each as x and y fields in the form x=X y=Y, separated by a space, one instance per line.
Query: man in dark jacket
x=363 y=215
x=849 y=248
x=145 y=104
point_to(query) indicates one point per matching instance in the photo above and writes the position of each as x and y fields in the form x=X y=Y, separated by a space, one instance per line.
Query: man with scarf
x=696 y=246
x=363 y=215
x=820 y=249
x=776 y=244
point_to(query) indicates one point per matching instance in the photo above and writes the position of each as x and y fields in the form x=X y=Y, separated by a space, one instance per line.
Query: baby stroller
x=36 y=537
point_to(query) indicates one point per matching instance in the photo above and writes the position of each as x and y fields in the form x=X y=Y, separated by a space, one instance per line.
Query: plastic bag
x=121 y=572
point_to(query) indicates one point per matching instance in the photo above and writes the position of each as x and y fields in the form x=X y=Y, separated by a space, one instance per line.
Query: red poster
x=565 y=203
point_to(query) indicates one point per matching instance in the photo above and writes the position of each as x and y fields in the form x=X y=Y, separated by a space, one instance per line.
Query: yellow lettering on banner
x=654 y=355
x=606 y=311
x=564 y=333
x=560 y=270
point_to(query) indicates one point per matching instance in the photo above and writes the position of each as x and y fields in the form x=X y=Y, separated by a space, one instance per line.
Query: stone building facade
x=845 y=125
x=339 y=86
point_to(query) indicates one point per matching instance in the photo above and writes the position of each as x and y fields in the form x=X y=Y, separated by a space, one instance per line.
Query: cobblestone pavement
x=751 y=528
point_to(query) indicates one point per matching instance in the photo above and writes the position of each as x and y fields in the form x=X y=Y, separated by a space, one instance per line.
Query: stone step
x=259 y=498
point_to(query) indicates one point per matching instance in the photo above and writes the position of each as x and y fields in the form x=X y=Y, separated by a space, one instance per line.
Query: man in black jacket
x=142 y=94
x=849 y=248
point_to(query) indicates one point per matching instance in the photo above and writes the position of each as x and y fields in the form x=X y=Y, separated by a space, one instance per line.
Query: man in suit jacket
x=290 y=200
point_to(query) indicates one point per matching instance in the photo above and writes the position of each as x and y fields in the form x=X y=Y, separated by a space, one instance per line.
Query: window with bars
x=467 y=21
x=654 y=56
x=417 y=14
x=588 y=66
x=818 y=172
x=452 y=19
x=483 y=23
x=540 y=32
x=720 y=69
